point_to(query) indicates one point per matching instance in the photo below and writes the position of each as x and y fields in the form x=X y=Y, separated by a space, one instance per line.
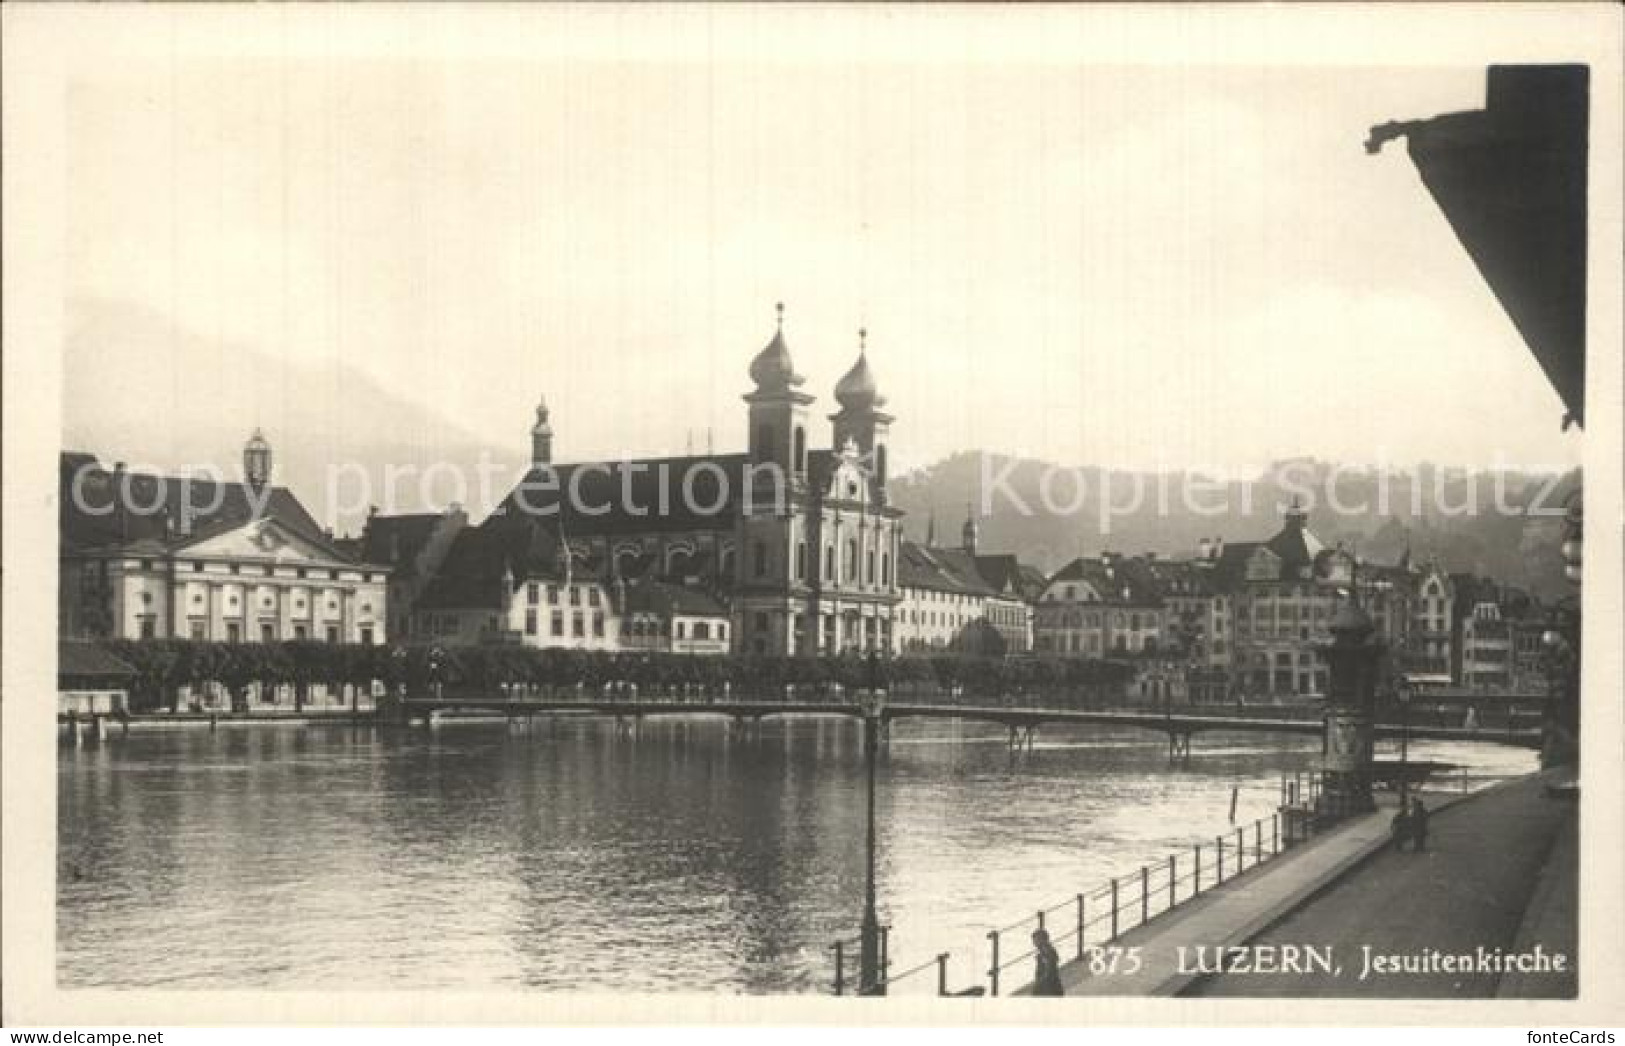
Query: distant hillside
x=137 y=388
x=1175 y=512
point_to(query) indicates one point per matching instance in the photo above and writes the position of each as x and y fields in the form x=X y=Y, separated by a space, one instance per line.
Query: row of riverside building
x=782 y=549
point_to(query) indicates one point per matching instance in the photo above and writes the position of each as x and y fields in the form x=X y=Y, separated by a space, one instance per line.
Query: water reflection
x=565 y=858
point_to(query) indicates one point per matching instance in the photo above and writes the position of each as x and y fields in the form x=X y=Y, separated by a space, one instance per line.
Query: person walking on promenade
x=1419 y=825
x=1047 y=975
x=1400 y=826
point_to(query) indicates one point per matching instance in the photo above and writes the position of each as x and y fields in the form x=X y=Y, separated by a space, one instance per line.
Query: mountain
x=1050 y=514
x=139 y=389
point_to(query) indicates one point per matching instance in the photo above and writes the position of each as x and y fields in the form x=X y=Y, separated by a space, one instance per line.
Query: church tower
x=257 y=461
x=860 y=419
x=968 y=533
x=778 y=409
x=541 y=437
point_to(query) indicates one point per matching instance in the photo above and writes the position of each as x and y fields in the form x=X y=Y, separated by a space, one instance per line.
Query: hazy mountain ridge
x=173 y=399
x=1174 y=512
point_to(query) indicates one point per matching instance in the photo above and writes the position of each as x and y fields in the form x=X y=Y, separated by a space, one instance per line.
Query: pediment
x=262 y=539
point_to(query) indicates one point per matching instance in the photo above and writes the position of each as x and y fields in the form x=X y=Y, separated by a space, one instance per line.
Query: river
x=569 y=859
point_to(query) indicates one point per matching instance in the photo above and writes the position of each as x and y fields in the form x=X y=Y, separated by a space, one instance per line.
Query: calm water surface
x=566 y=859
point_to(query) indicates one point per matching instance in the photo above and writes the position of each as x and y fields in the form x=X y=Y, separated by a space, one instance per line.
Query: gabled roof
x=471 y=576
x=162 y=513
x=1120 y=580
x=82 y=659
x=940 y=570
x=658 y=597
x=397 y=539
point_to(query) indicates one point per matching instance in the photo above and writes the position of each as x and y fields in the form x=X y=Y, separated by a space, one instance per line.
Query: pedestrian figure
x=1419 y=825
x=1047 y=975
x=1400 y=826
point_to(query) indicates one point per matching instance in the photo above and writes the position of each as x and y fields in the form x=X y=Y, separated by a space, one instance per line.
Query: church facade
x=800 y=544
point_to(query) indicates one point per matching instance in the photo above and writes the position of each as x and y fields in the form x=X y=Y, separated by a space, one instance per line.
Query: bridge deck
x=1009 y=715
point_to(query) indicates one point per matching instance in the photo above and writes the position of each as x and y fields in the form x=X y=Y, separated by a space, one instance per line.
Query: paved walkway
x=1470 y=890
x=1472 y=887
x=1230 y=914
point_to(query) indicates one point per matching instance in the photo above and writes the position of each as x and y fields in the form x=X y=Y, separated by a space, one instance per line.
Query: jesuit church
x=800 y=545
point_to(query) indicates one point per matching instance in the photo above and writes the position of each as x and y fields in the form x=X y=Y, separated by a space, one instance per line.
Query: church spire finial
x=779 y=309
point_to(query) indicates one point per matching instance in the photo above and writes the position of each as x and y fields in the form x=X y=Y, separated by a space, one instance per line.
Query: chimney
x=541 y=437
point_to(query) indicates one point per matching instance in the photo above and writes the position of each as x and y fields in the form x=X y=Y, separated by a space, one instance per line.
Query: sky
x=1137 y=266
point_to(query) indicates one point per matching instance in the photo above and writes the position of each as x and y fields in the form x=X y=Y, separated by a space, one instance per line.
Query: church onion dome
x=772 y=370
x=857 y=391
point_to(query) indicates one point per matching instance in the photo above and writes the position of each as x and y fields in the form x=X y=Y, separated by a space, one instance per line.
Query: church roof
x=633 y=496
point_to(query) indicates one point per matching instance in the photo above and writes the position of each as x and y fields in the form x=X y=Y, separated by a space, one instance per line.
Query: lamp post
x=873 y=703
x=1403 y=693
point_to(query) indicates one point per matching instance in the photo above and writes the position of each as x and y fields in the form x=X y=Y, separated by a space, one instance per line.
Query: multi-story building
x=145 y=556
x=1101 y=607
x=962 y=599
x=1282 y=592
x=801 y=545
x=674 y=619
x=1433 y=618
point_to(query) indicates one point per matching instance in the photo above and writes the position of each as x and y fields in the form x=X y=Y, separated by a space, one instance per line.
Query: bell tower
x=778 y=409
x=541 y=437
x=860 y=419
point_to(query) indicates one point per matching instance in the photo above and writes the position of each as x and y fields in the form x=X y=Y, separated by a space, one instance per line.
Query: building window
x=578 y=627
x=557 y=623
x=530 y=622
x=268 y=570
x=869 y=567
x=332 y=633
x=234 y=632
x=885 y=569
x=197 y=630
x=236 y=569
x=758 y=551
x=366 y=635
x=575 y=597
x=681 y=630
x=829 y=562
x=851 y=559
x=598 y=623
x=702 y=630
x=148 y=628
x=267 y=632
x=197 y=568
x=801 y=561
x=592 y=597
x=533 y=593
x=299 y=632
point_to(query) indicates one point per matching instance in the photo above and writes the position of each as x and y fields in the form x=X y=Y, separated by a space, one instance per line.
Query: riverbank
x=1497 y=875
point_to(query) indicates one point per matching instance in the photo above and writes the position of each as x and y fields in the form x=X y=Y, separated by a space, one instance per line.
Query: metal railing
x=848 y=952
x=1127 y=902
x=1103 y=915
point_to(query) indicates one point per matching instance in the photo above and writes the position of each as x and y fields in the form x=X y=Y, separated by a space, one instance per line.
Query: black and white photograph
x=866 y=509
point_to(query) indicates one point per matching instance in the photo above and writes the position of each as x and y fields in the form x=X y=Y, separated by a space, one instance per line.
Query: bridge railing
x=1086 y=924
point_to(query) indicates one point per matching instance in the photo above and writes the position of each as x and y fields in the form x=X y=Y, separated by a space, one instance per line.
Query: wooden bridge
x=1021 y=717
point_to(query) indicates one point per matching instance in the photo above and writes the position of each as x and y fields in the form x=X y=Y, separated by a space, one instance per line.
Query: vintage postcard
x=812 y=513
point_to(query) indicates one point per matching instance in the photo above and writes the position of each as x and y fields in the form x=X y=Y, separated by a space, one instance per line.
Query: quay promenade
x=1500 y=872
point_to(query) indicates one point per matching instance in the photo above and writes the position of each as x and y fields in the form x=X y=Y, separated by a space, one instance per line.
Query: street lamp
x=1403 y=694
x=873 y=704
x=1573 y=545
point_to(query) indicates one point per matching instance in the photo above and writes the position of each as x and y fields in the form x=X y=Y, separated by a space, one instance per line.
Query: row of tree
x=164 y=666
